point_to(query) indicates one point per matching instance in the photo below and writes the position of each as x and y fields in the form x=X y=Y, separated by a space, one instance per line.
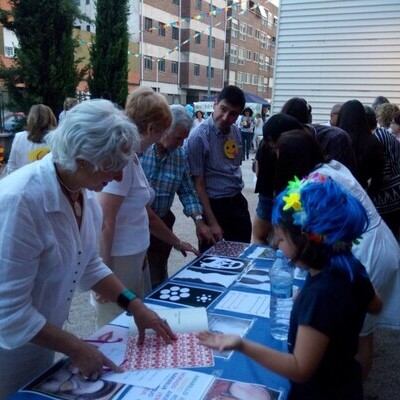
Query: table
x=231 y=280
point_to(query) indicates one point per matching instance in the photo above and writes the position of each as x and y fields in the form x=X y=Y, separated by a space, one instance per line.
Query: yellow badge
x=231 y=149
x=38 y=154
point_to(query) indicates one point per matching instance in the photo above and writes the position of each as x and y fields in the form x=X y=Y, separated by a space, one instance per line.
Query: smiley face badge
x=231 y=149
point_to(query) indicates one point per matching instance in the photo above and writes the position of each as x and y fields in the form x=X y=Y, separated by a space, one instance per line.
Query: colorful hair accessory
x=292 y=201
x=316 y=237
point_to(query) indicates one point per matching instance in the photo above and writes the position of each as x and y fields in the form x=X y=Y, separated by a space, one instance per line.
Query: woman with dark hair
x=246 y=126
x=378 y=250
x=266 y=159
x=367 y=149
x=29 y=145
x=299 y=109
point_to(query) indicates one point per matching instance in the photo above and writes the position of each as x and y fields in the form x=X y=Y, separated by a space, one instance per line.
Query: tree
x=44 y=64
x=109 y=52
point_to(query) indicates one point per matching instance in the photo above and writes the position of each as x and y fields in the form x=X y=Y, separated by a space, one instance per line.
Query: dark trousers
x=158 y=254
x=247 y=138
x=232 y=214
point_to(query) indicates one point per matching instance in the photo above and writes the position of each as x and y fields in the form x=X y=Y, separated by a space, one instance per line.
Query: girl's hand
x=219 y=341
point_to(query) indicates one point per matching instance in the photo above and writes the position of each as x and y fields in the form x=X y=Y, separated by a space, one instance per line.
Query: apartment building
x=250 y=46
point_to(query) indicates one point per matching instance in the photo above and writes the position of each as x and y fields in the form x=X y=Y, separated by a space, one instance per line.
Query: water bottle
x=281 y=277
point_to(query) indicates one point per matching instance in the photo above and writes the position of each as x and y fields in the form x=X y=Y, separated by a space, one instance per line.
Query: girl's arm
x=299 y=366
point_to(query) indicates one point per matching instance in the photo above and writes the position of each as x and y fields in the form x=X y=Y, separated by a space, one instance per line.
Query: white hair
x=97 y=132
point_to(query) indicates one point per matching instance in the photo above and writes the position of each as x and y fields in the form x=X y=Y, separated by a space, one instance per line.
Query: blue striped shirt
x=206 y=155
x=168 y=175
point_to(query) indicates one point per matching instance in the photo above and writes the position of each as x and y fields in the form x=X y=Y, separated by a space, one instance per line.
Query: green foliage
x=109 y=52
x=44 y=62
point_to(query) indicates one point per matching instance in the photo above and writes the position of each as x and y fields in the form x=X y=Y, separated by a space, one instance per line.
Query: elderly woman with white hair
x=50 y=227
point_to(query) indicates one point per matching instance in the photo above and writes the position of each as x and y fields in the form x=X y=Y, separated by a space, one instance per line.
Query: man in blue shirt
x=214 y=152
x=165 y=166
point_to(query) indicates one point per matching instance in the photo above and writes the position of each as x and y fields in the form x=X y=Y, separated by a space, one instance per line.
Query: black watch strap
x=125 y=298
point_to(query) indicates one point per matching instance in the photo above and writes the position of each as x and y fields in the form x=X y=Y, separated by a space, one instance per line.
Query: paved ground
x=384 y=380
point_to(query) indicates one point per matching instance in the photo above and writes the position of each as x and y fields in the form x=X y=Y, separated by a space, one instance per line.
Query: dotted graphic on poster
x=185 y=295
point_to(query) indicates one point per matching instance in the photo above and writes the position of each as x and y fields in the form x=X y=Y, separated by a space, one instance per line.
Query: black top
x=336 y=307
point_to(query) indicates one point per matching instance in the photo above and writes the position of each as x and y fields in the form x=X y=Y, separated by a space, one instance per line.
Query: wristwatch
x=125 y=298
x=197 y=218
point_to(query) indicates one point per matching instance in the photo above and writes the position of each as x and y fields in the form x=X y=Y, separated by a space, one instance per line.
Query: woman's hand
x=91 y=362
x=148 y=319
x=219 y=341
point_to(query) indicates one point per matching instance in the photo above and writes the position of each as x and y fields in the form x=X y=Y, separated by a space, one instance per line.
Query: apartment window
x=161 y=65
x=87 y=2
x=255 y=79
x=248 y=55
x=161 y=29
x=77 y=2
x=257 y=33
x=9 y=51
x=176 y=2
x=243 y=31
x=196 y=70
x=264 y=21
x=235 y=28
x=174 y=67
x=87 y=28
x=249 y=30
x=198 y=5
x=212 y=72
x=256 y=57
x=242 y=52
x=197 y=37
x=148 y=24
x=148 y=63
x=175 y=33
x=212 y=42
x=234 y=52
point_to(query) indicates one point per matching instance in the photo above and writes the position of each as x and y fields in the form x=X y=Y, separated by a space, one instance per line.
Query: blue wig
x=329 y=216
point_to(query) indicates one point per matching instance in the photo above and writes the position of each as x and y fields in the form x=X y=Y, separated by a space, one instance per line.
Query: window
x=234 y=51
x=256 y=57
x=161 y=65
x=256 y=33
x=77 y=2
x=248 y=55
x=174 y=67
x=87 y=2
x=242 y=52
x=212 y=42
x=243 y=31
x=197 y=37
x=249 y=30
x=148 y=63
x=88 y=28
x=175 y=33
x=196 y=70
x=255 y=79
x=161 y=29
x=176 y=2
x=148 y=24
x=9 y=51
x=198 y=5
x=235 y=28
x=212 y=72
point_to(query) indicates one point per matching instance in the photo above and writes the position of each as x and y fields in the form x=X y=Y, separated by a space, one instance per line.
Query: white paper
x=180 y=385
x=181 y=320
x=148 y=378
x=246 y=303
x=262 y=252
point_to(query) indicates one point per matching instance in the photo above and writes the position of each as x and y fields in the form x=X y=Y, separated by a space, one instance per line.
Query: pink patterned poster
x=186 y=352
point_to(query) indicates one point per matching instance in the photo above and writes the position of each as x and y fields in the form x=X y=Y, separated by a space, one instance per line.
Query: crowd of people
x=86 y=204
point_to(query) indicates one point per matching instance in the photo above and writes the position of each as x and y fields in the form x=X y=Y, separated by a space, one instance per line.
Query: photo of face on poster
x=219 y=263
x=67 y=383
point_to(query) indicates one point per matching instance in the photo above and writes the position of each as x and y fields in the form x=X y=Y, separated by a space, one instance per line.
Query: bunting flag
x=179 y=23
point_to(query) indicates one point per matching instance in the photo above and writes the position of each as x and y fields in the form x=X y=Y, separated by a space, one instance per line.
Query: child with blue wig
x=316 y=221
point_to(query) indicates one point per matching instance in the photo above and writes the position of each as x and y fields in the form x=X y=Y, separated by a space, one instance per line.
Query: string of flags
x=179 y=23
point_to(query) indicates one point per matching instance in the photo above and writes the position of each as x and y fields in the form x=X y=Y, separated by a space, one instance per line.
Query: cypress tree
x=44 y=62
x=109 y=52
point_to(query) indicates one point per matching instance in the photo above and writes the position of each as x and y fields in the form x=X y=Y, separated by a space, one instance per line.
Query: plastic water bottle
x=281 y=277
